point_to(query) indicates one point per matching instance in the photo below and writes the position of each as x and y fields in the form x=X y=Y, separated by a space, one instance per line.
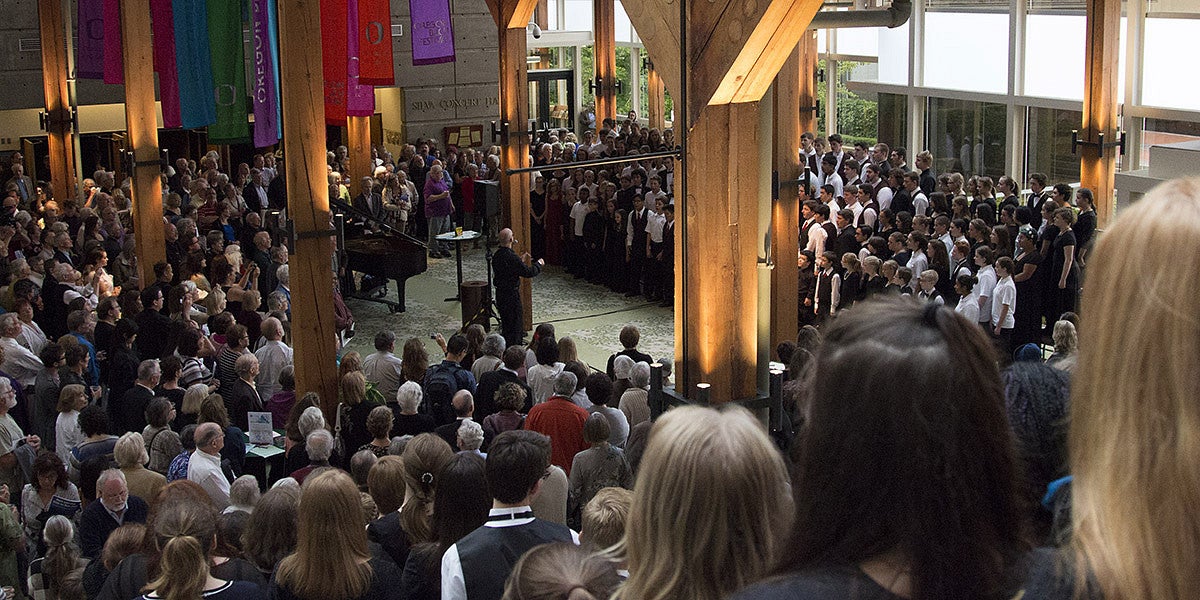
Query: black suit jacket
x=241 y=400
x=250 y=195
x=485 y=397
x=633 y=353
x=449 y=432
x=845 y=242
x=277 y=192
x=153 y=335
x=372 y=206
x=129 y=414
x=387 y=532
x=95 y=524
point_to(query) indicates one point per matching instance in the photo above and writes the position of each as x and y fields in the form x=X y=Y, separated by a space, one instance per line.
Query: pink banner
x=89 y=60
x=114 y=62
x=333 y=59
x=360 y=99
x=163 y=25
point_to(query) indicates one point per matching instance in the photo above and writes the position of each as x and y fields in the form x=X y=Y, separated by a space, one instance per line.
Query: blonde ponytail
x=183 y=570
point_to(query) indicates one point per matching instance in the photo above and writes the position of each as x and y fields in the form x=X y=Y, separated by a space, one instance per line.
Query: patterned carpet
x=590 y=314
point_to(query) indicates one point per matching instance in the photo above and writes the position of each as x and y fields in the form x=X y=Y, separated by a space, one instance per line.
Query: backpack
x=440 y=387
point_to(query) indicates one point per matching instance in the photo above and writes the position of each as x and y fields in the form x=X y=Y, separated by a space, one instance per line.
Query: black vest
x=489 y=553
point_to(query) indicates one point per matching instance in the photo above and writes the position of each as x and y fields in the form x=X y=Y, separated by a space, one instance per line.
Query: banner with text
x=432 y=32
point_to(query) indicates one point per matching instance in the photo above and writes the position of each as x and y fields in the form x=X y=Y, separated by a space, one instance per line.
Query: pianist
x=509 y=269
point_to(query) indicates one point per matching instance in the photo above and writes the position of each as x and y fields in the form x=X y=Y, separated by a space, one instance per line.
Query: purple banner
x=432 y=32
x=360 y=99
x=89 y=61
x=266 y=107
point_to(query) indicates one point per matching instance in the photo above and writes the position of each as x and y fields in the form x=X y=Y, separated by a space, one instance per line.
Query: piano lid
x=350 y=209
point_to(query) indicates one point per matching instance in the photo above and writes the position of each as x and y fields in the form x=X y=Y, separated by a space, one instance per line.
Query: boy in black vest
x=479 y=564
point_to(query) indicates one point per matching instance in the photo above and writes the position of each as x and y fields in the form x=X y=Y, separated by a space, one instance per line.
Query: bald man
x=508 y=270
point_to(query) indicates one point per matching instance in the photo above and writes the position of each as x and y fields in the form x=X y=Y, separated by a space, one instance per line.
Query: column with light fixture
x=58 y=118
x=605 y=59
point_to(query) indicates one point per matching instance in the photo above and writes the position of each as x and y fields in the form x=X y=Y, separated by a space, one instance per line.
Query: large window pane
x=966 y=137
x=893 y=55
x=624 y=26
x=861 y=41
x=856 y=113
x=1049 y=144
x=1167 y=81
x=966 y=51
x=1161 y=131
x=577 y=15
x=892 y=122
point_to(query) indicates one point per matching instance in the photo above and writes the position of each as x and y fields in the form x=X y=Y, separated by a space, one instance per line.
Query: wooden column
x=303 y=97
x=358 y=142
x=141 y=123
x=785 y=212
x=735 y=50
x=605 y=58
x=807 y=90
x=1097 y=167
x=511 y=18
x=59 y=134
x=656 y=112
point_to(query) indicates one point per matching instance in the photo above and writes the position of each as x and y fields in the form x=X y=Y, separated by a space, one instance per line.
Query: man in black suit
x=114 y=509
x=255 y=193
x=277 y=189
x=635 y=238
x=666 y=259
x=508 y=270
x=485 y=393
x=1037 y=197
x=369 y=201
x=153 y=327
x=130 y=413
x=630 y=336
x=243 y=398
x=845 y=240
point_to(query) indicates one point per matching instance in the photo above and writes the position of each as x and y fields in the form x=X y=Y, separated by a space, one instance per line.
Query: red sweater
x=561 y=420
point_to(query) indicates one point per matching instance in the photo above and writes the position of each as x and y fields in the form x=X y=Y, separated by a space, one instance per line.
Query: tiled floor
x=590 y=314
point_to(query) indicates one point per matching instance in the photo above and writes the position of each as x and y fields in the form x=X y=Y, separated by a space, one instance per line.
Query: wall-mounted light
x=703 y=393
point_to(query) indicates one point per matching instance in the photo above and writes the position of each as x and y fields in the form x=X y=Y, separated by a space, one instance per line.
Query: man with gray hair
x=242 y=397
x=319 y=446
x=114 y=509
x=382 y=367
x=19 y=362
x=129 y=414
x=470 y=438
x=560 y=419
x=243 y=494
x=204 y=467
x=273 y=356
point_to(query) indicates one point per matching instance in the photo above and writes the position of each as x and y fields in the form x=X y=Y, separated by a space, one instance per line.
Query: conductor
x=509 y=269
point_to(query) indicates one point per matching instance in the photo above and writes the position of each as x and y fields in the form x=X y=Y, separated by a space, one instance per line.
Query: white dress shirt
x=273 y=356
x=205 y=470
x=20 y=362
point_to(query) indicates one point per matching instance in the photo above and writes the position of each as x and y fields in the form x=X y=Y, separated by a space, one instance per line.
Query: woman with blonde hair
x=131 y=457
x=712 y=493
x=1133 y=408
x=561 y=571
x=424 y=456
x=330 y=518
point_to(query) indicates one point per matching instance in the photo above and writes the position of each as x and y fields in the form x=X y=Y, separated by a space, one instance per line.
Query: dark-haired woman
x=1064 y=271
x=1028 y=279
x=460 y=506
x=50 y=493
x=930 y=506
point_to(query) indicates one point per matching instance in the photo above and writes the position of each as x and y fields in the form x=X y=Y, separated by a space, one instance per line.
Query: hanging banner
x=163 y=25
x=197 y=107
x=375 y=43
x=360 y=99
x=432 y=33
x=334 y=58
x=114 y=60
x=229 y=72
x=273 y=34
x=266 y=105
x=89 y=57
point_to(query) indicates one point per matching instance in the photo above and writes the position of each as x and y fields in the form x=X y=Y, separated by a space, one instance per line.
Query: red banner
x=375 y=43
x=334 y=54
x=114 y=62
x=163 y=25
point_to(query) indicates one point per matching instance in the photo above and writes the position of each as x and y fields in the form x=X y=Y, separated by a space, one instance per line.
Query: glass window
x=578 y=15
x=1166 y=82
x=1161 y=131
x=623 y=25
x=893 y=55
x=552 y=14
x=1061 y=36
x=861 y=41
x=966 y=51
x=966 y=137
x=625 y=96
x=1048 y=144
x=892 y=119
x=856 y=113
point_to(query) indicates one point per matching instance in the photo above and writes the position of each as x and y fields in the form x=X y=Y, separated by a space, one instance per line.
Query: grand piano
x=377 y=249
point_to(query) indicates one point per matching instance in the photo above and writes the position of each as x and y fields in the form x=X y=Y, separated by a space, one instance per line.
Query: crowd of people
x=518 y=471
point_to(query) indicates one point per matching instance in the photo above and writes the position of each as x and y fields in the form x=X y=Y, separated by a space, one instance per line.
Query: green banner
x=229 y=73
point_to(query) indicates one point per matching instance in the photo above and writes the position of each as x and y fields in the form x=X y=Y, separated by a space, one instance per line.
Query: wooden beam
x=303 y=97
x=656 y=112
x=785 y=212
x=141 y=123
x=657 y=24
x=514 y=108
x=60 y=142
x=754 y=49
x=807 y=89
x=512 y=14
x=358 y=143
x=720 y=334
x=604 y=16
x=1097 y=167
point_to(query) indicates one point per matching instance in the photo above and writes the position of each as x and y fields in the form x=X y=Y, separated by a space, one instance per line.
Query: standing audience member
x=461 y=506
x=561 y=420
x=204 y=467
x=383 y=368
x=114 y=508
x=603 y=465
